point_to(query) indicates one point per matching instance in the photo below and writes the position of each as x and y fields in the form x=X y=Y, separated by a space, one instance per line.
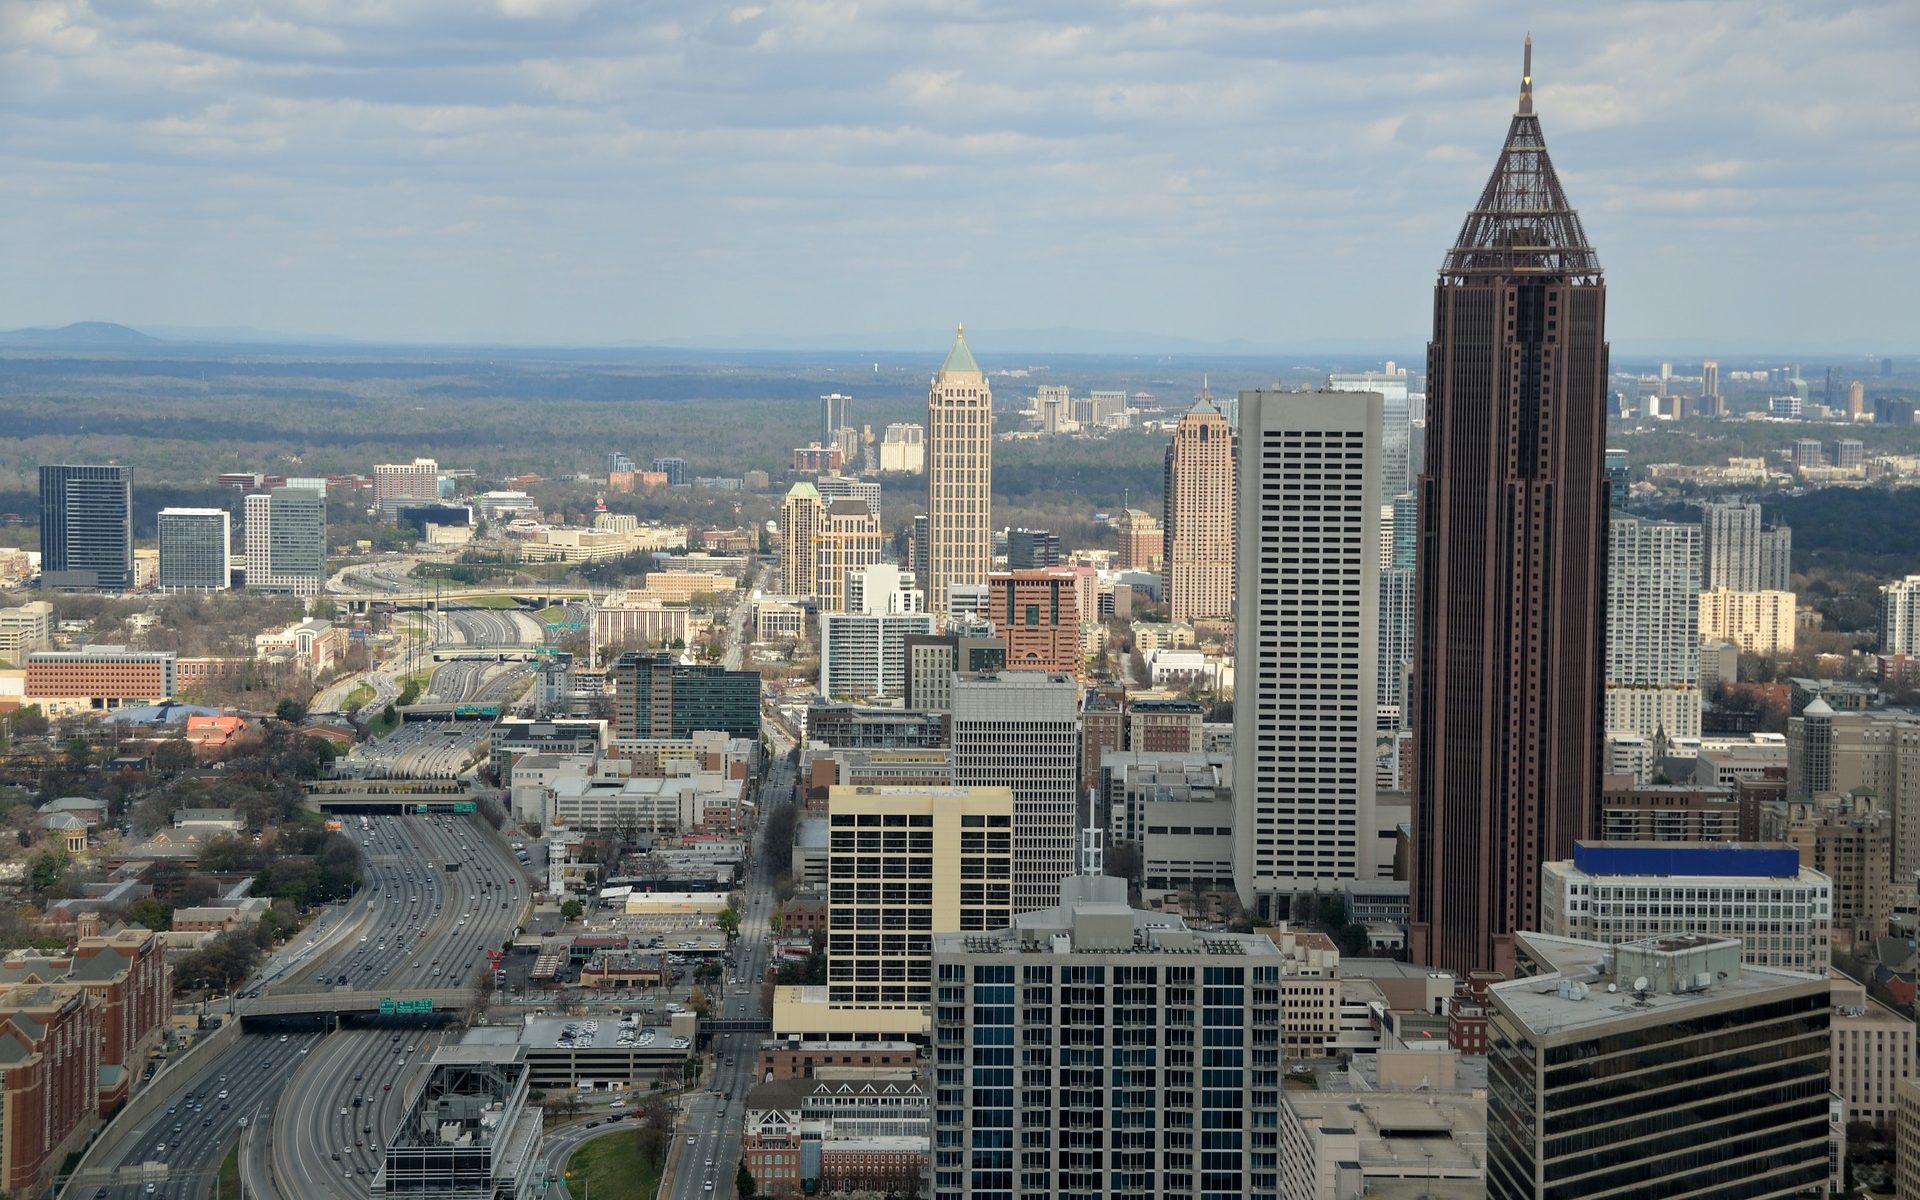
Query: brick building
x=105 y=676
x=1036 y=612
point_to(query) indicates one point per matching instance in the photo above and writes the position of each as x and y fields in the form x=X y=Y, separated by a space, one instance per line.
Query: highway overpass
x=353 y=1002
x=431 y=599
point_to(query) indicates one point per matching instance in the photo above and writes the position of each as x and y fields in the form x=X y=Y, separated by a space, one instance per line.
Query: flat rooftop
x=1431 y=1132
x=544 y=1033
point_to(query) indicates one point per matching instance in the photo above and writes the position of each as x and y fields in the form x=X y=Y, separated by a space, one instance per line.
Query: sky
x=1240 y=172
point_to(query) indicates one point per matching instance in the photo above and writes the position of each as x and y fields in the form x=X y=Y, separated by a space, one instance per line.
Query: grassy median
x=611 y=1167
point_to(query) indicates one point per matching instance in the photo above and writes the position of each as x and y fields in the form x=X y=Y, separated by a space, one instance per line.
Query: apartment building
x=1094 y=1049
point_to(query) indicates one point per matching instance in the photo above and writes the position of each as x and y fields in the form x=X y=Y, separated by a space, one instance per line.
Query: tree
x=573 y=910
x=48 y=866
x=172 y=755
x=698 y=1002
x=290 y=710
x=150 y=913
x=743 y=1184
x=729 y=922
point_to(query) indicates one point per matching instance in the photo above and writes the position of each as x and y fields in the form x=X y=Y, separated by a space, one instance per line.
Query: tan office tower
x=849 y=538
x=1198 y=572
x=959 y=475
x=800 y=516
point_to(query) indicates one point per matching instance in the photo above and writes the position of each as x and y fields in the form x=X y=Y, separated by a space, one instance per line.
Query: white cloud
x=807 y=161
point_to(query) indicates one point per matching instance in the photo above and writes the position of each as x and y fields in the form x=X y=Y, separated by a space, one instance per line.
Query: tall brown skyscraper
x=1198 y=528
x=1512 y=562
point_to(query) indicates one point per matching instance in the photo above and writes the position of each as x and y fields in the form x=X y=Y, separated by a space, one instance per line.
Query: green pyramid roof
x=960 y=358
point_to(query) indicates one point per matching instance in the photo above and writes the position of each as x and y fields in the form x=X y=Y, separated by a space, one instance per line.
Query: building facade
x=1780 y=912
x=1673 y=1113
x=1096 y=1050
x=104 y=676
x=397 y=484
x=959 y=476
x=196 y=549
x=903 y=864
x=1740 y=553
x=656 y=696
x=1756 y=622
x=286 y=539
x=1900 y=616
x=1513 y=545
x=863 y=656
x=1305 y=672
x=849 y=541
x=1198 y=520
x=1037 y=616
x=1653 y=628
x=86 y=528
x=800 y=518
x=1021 y=729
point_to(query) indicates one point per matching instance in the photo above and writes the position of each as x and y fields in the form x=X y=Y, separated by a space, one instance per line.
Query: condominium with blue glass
x=86 y=528
x=1096 y=1050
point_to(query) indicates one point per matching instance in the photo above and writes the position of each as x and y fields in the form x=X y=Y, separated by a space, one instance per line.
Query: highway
x=425 y=927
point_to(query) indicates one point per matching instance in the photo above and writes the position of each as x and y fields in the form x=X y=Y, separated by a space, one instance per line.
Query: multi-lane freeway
x=420 y=927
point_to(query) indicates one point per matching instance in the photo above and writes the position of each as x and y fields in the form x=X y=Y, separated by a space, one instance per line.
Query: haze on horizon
x=1221 y=171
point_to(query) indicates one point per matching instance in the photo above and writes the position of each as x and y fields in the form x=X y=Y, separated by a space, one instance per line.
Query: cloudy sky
x=572 y=171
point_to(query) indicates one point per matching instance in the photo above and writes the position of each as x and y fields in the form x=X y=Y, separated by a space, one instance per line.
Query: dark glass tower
x=86 y=528
x=1512 y=562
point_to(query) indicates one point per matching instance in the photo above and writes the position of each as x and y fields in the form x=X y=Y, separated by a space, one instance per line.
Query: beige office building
x=1198 y=526
x=959 y=476
x=1757 y=622
x=801 y=514
x=1873 y=1049
x=849 y=540
x=905 y=863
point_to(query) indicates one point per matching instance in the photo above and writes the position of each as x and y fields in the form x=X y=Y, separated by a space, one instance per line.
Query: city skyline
x=341 y=175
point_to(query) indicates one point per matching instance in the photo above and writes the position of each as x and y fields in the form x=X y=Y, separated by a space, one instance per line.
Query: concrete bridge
x=353 y=1002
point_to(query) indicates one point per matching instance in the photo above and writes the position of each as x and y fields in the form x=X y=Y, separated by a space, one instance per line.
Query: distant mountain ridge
x=101 y=334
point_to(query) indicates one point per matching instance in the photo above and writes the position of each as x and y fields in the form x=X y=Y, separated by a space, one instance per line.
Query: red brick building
x=106 y=676
x=1037 y=614
x=50 y=1059
x=799 y=1060
x=127 y=974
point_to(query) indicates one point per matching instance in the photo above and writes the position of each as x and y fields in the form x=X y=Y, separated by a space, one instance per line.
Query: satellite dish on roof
x=1640 y=983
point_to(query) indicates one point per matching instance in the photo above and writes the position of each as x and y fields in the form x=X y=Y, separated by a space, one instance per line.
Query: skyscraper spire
x=1523 y=225
x=1526 y=79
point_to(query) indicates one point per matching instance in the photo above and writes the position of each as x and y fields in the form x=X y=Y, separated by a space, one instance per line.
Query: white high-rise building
x=863 y=651
x=1021 y=729
x=1305 y=674
x=196 y=549
x=286 y=539
x=1900 y=616
x=1653 y=628
x=1740 y=555
x=1396 y=421
x=1780 y=911
x=959 y=475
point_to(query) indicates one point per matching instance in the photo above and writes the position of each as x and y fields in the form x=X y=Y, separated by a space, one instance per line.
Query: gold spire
x=1526 y=78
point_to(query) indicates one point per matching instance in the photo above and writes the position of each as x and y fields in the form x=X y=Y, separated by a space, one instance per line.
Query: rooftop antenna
x=1092 y=852
x=1526 y=77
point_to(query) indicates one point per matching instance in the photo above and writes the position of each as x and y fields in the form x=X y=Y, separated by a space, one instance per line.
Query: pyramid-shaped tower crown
x=1523 y=225
x=960 y=359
